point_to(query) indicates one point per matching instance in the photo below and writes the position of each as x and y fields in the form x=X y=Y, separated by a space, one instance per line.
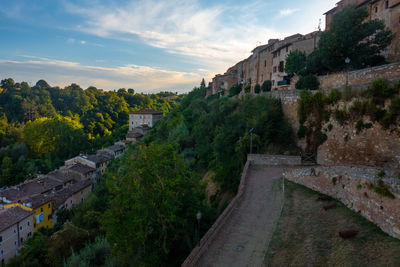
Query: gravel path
x=243 y=240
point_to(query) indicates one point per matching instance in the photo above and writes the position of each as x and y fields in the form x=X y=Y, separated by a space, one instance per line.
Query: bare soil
x=307 y=235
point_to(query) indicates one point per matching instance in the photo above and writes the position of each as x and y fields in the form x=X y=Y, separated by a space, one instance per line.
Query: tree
x=235 y=90
x=352 y=35
x=153 y=199
x=257 y=88
x=308 y=82
x=266 y=86
x=296 y=62
x=203 y=83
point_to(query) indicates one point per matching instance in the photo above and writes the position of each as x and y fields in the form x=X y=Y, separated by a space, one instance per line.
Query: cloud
x=287 y=12
x=219 y=33
x=82 y=42
x=62 y=73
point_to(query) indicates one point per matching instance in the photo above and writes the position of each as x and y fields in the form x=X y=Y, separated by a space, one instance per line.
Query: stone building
x=267 y=62
x=144 y=117
x=16 y=225
x=385 y=10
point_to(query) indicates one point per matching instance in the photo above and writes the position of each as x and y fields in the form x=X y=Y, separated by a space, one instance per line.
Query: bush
x=266 y=86
x=381 y=90
x=257 y=89
x=334 y=180
x=301 y=133
x=308 y=82
x=340 y=116
x=381 y=190
x=334 y=96
x=247 y=88
x=381 y=174
x=347 y=94
x=235 y=90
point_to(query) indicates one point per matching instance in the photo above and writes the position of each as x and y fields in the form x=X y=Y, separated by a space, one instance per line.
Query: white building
x=144 y=117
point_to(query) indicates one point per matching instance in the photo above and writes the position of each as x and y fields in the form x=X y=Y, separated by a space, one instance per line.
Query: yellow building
x=42 y=207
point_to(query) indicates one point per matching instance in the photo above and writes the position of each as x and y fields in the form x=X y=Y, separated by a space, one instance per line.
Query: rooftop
x=116 y=148
x=98 y=158
x=9 y=217
x=80 y=168
x=147 y=111
x=134 y=135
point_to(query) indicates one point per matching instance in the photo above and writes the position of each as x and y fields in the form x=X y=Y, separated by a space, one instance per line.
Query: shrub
x=330 y=126
x=359 y=186
x=381 y=174
x=266 y=86
x=334 y=180
x=398 y=176
x=322 y=138
x=247 y=88
x=381 y=90
x=326 y=115
x=235 y=90
x=359 y=126
x=381 y=190
x=347 y=94
x=340 y=116
x=301 y=133
x=257 y=89
x=334 y=96
x=308 y=82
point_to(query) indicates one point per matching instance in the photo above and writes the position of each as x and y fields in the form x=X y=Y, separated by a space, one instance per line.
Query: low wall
x=354 y=187
x=360 y=79
x=208 y=238
x=274 y=160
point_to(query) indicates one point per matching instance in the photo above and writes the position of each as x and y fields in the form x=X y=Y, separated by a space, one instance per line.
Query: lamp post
x=347 y=61
x=198 y=217
x=251 y=140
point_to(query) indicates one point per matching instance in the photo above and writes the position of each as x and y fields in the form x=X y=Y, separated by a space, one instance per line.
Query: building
x=80 y=172
x=267 y=63
x=115 y=150
x=144 y=117
x=386 y=10
x=98 y=162
x=16 y=225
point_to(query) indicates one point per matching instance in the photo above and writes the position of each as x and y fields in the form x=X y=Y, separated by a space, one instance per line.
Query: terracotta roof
x=115 y=148
x=98 y=158
x=36 y=200
x=9 y=217
x=61 y=176
x=134 y=135
x=80 y=168
x=147 y=111
x=61 y=196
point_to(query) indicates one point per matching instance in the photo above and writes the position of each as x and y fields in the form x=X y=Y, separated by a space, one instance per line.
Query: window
x=287 y=49
x=20 y=228
x=48 y=206
x=387 y=4
x=282 y=66
x=29 y=223
x=376 y=9
x=15 y=243
x=2 y=252
x=49 y=217
x=274 y=69
x=22 y=240
x=1 y=238
x=273 y=82
x=30 y=233
x=41 y=209
x=265 y=63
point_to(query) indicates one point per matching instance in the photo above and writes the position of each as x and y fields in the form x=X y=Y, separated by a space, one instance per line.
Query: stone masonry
x=354 y=187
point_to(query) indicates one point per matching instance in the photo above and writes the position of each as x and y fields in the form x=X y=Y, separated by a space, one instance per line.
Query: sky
x=146 y=45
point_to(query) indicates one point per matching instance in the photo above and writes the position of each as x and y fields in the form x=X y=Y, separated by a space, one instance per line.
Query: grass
x=307 y=235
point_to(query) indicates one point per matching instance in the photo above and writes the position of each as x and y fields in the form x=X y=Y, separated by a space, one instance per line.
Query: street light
x=251 y=140
x=198 y=216
x=347 y=61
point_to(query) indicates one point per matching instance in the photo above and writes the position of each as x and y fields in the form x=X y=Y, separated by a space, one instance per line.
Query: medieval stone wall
x=354 y=187
x=274 y=160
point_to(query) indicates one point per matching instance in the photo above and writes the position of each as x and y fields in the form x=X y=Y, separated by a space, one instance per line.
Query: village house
x=98 y=162
x=16 y=225
x=115 y=150
x=144 y=117
x=386 y=10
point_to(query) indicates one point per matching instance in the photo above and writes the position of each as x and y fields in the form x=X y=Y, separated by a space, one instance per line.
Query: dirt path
x=243 y=240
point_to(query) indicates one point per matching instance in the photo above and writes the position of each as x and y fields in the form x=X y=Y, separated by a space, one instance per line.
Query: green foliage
x=359 y=186
x=257 y=89
x=296 y=63
x=155 y=194
x=352 y=35
x=382 y=190
x=247 y=88
x=235 y=90
x=381 y=174
x=266 y=86
x=340 y=116
x=308 y=82
x=334 y=180
x=334 y=96
x=97 y=253
x=330 y=127
x=301 y=133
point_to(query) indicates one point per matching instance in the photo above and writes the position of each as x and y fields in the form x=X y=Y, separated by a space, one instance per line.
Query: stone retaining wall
x=360 y=79
x=354 y=187
x=208 y=238
x=274 y=160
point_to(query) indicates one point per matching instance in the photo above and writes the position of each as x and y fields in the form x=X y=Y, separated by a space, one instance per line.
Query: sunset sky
x=146 y=45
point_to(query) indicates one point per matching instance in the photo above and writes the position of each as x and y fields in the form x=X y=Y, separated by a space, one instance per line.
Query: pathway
x=243 y=239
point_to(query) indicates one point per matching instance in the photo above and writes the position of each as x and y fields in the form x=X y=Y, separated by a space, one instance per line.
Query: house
x=80 y=172
x=133 y=137
x=144 y=117
x=16 y=225
x=98 y=161
x=386 y=10
x=115 y=150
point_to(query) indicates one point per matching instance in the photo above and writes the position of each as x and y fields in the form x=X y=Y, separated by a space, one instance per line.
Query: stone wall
x=360 y=79
x=371 y=147
x=274 y=160
x=354 y=187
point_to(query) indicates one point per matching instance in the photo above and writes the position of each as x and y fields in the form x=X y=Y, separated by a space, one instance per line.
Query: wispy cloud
x=287 y=12
x=181 y=27
x=62 y=73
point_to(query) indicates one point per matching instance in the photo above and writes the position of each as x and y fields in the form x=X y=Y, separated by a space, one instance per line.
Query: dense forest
x=41 y=126
x=143 y=212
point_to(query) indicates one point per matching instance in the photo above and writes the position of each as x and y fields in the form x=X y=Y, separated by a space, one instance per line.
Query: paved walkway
x=243 y=240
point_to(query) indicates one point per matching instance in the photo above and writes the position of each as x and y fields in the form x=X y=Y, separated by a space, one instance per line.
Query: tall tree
x=352 y=35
